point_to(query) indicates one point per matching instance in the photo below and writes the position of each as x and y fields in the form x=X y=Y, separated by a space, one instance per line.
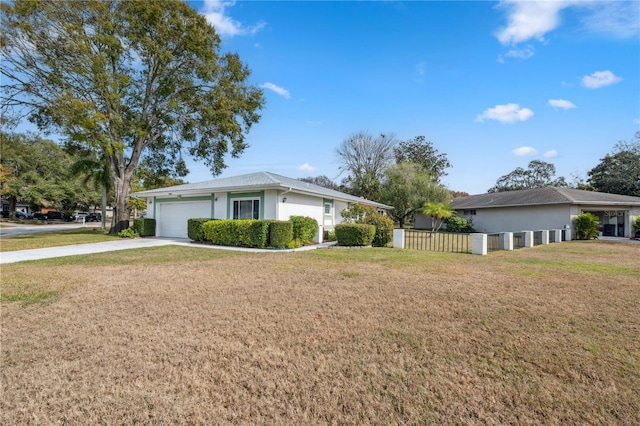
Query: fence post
x=398 y=238
x=319 y=238
x=528 y=238
x=506 y=240
x=544 y=236
x=479 y=244
x=567 y=233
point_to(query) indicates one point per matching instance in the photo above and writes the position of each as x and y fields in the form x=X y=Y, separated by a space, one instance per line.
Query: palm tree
x=439 y=212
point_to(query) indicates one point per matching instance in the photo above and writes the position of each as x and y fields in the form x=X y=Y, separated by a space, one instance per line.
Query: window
x=327 y=208
x=469 y=212
x=246 y=209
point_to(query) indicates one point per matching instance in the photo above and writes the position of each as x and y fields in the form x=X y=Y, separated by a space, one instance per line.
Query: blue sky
x=493 y=85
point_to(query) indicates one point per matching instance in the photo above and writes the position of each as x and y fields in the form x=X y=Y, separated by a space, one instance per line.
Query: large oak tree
x=127 y=79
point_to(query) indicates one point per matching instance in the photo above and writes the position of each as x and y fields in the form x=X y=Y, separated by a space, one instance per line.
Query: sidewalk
x=125 y=244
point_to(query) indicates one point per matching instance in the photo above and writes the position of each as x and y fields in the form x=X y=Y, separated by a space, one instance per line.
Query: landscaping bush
x=459 y=224
x=636 y=224
x=355 y=234
x=586 y=226
x=360 y=213
x=128 y=233
x=145 y=227
x=280 y=233
x=247 y=233
x=304 y=228
x=384 y=229
x=329 y=236
x=194 y=229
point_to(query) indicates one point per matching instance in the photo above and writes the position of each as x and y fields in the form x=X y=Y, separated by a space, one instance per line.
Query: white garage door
x=172 y=217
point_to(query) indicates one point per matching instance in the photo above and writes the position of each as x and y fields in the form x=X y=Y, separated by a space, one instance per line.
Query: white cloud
x=214 y=11
x=524 y=53
x=524 y=151
x=306 y=167
x=551 y=154
x=561 y=103
x=618 y=18
x=529 y=20
x=600 y=79
x=279 y=90
x=508 y=113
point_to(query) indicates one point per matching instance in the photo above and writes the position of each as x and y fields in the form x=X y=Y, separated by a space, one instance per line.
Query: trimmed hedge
x=280 y=233
x=304 y=228
x=194 y=228
x=230 y=232
x=384 y=229
x=145 y=227
x=355 y=234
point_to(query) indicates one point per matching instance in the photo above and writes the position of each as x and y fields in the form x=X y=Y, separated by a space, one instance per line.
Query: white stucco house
x=545 y=208
x=261 y=195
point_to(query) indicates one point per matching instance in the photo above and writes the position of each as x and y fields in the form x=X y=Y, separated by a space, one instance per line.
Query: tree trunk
x=120 y=220
x=103 y=208
x=401 y=222
x=13 y=202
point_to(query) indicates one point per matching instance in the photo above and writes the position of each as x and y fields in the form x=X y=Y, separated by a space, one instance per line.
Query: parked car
x=22 y=215
x=59 y=216
x=40 y=216
x=93 y=217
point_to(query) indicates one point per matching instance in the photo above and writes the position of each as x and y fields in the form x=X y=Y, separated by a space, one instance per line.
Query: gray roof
x=542 y=196
x=254 y=182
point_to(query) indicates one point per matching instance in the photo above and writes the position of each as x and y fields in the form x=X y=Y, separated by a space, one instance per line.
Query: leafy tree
x=619 y=172
x=439 y=212
x=586 y=226
x=323 y=181
x=537 y=175
x=95 y=170
x=365 y=158
x=458 y=194
x=37 y=170
x=127 y=80
x=421 y=152
x=407 y=189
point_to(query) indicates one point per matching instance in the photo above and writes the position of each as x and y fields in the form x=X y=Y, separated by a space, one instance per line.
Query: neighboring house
x=21 y=205
x=545 y=208
x=259 y=195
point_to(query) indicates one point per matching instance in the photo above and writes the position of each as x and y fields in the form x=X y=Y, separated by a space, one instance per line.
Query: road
x=12 y=229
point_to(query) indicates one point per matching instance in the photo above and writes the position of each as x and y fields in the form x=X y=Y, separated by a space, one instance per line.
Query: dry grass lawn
x=180 y=335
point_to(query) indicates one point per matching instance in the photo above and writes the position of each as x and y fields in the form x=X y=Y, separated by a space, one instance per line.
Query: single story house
x=545 y=208
x=261 y=195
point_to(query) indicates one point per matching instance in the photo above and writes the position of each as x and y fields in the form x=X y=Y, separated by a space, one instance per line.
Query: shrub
x=586 y=226
x=304 y=228
x=329 y=236
x=384 y=229
x=145 y=227
x=194 y=229
x=459 y=224
x=357 y=213
x=356 y=234
x=636 y=224
x=280 y=233
x=128 y=233
x=248 y=233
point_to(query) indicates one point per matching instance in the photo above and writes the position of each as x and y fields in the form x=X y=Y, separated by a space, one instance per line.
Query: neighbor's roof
x=254 y=182
x=542 y=196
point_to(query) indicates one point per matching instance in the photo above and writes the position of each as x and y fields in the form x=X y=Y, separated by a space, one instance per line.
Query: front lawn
x=55 y=239
x=174 y=335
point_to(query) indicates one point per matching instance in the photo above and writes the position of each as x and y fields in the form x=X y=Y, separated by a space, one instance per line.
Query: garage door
x=172 y=217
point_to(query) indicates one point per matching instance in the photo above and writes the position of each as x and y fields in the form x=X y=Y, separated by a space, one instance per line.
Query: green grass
x=30 y=298
x=55 y=239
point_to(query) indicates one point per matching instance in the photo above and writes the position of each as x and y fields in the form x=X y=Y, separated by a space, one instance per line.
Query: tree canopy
x=364 y=158
x=129 y=80
x=538 y=174
x=421 y=152
x=619 y=172
x=407 y=188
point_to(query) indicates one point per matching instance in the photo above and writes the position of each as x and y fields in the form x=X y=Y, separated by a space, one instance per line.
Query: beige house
x=545 y=208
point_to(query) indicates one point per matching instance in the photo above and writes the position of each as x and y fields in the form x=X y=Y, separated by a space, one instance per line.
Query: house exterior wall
x=338 y=206
x=516 y=219
x=300 y=205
